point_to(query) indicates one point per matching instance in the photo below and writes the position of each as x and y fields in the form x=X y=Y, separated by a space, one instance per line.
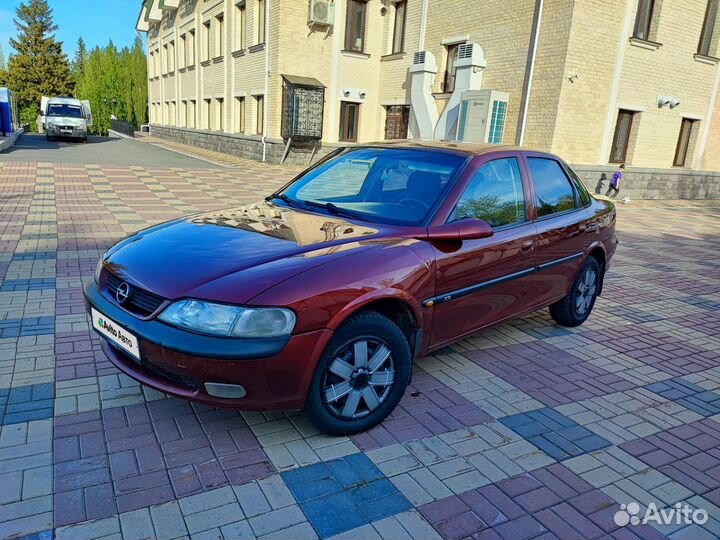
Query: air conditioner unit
x=322 y=12
x=482 y=116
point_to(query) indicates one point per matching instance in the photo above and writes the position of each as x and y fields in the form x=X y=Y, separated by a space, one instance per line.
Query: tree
x=110 y=74
x=78 y=63
x=38 y=67
x=3 y=68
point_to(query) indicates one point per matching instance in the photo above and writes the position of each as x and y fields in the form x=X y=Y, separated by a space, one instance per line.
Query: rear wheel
x=361 y=376
x=575 y=308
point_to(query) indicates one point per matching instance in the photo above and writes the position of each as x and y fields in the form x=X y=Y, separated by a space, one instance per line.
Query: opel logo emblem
x=123 y=292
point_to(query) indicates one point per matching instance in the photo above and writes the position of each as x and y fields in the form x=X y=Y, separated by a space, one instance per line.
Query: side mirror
x=465 y=229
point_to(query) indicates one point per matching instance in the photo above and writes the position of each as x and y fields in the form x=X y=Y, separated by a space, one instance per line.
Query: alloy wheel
x=587 y=286
x=358 y=379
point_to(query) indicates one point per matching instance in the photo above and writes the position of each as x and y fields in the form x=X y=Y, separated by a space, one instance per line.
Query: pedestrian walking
x=618 y=177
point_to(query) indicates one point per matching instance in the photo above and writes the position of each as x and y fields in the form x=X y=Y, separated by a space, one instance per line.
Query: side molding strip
x=459 y=293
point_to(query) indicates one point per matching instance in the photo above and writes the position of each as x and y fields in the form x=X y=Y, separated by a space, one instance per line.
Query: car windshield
x=72 y=111
x=382 y=185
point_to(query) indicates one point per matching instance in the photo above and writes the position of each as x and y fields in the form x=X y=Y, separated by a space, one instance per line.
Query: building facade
x=598 y=82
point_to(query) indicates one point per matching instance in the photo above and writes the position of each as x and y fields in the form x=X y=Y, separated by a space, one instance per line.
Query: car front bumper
x=275 y=373
x=57 y=131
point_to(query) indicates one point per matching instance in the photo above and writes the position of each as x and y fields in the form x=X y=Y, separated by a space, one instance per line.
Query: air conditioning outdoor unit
x=482 y=116
x=322 y=12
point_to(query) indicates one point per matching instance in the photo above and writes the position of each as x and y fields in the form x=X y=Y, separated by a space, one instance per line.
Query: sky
x=97 y=21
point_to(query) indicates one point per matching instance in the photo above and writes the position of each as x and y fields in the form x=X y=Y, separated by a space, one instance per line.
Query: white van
x=66 y=117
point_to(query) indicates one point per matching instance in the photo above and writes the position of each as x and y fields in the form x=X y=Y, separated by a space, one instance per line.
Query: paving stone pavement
x=526 y=430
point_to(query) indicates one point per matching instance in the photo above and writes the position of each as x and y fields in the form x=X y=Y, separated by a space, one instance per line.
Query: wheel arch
x=394 y=304
x=597 y=250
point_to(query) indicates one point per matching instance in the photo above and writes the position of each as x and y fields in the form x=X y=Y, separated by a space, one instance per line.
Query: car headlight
x=50 y=125
x=98 y=270
x=229 y=321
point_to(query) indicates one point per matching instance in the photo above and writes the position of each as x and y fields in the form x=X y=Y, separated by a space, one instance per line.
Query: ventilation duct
x=424 y=110
x=469 y=65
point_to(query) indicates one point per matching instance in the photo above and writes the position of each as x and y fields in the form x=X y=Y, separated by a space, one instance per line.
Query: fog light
x=225 y=391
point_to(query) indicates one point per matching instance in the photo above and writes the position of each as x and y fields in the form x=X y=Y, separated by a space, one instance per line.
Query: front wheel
x=360 y=377
x=575 y=308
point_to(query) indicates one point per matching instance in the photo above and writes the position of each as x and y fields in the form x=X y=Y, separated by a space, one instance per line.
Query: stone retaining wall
x=653 y=183
x=244 y=146
x=639 y=183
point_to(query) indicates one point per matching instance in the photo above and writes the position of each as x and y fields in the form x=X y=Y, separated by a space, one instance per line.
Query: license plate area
x=116 y=334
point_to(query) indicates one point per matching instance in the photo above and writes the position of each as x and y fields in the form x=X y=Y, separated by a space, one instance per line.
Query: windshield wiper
x=284 y=198
x=334 y=209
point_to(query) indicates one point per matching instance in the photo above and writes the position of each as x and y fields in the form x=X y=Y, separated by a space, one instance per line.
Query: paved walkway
x=528 y=430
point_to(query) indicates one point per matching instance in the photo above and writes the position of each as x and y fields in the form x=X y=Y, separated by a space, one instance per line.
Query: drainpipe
x=423 y=25
x=529 y=72
x=266 y=98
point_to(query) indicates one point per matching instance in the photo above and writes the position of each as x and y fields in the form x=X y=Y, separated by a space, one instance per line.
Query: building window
x=621 y=140
x=206 y=41
x=349 y=115
x=355 y=26
x=240 y=115
x=190 y=48
x=183 y=114
x=220 y=25
x=708 y=30
x=171 y=57
x=396 y=122
x=450 y=68
x=644 y=19
x=399 y=27
x=240 y=26
x=165 y=59
x=221 y=114
x=206 y=114
x=191 y=113
x=260 y=31
x=259 y=114
x=173 y=116
x=683 y=146
x=182 y=57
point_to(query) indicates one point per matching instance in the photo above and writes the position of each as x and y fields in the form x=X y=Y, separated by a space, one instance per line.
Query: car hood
x=233 y=255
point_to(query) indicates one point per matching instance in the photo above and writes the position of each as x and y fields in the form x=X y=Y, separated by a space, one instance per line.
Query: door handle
x=527 y=246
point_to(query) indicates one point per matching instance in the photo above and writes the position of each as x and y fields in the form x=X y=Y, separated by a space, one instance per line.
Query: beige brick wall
x=502 y=32
x=669 y=70
x=583 y=38
x=592 y=51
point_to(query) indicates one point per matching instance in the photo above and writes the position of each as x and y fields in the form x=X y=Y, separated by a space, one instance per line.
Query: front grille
x=140 y=301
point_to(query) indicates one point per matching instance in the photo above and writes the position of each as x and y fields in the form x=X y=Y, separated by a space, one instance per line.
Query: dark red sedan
x=321 y=295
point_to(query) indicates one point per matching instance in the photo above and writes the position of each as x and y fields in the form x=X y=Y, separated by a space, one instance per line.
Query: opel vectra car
x=321 y=295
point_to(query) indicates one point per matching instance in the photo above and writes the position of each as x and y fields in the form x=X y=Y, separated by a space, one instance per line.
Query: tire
x=575 y=308
x=349 y=382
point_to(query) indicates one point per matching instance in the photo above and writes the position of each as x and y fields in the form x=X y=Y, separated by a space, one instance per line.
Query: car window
x=583 y=193
x=495 y=194
x=388 y=185
x=553 y=191
x=346 y=179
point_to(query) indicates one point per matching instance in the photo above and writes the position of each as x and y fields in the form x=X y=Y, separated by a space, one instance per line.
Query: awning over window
x=309 y=82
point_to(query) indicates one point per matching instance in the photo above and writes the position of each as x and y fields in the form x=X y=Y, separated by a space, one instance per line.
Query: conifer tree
x=38 y=67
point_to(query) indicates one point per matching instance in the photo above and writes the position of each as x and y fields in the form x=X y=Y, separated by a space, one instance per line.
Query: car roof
x=64 y=101
x=451 y=146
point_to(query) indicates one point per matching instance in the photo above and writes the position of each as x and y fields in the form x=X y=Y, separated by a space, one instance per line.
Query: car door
x=479 y=282
x=561 y=221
